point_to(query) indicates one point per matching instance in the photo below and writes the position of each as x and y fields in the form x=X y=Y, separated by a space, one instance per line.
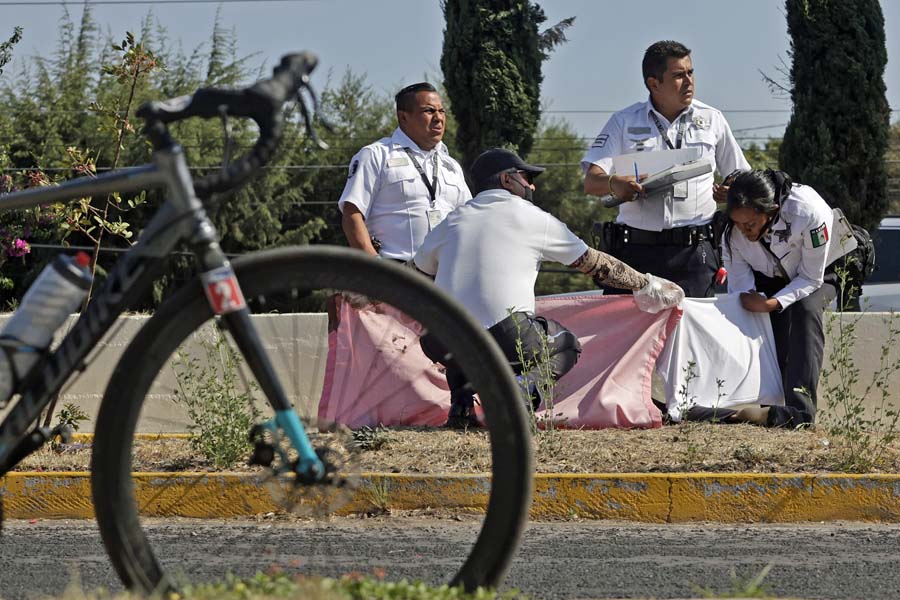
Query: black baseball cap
x=498 y=160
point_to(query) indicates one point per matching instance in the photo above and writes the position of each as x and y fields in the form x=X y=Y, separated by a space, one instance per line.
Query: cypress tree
x=838 y=133
x=491 y=61
x=7 y=46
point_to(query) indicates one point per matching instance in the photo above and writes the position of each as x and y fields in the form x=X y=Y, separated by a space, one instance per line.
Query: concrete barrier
x=299 y=344
x=871 y=348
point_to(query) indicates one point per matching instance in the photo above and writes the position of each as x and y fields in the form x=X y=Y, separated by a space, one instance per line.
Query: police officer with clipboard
x=668 y=232
x=400 y=187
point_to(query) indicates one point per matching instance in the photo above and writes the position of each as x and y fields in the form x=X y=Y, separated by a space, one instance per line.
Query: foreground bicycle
x=299 y=457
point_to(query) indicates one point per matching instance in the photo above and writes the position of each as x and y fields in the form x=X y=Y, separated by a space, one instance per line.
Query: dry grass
x=687 y=447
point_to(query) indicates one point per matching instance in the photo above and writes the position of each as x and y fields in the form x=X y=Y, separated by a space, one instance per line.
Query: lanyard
x=431 y=185
x=767 y=245
x=665 y=135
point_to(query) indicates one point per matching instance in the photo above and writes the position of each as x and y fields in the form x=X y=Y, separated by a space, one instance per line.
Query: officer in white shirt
x=402 y=186
x=487 y=254
x=775 y=248
x=668 y=232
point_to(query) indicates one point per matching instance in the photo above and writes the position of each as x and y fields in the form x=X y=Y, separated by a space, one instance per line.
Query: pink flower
x=19 y=248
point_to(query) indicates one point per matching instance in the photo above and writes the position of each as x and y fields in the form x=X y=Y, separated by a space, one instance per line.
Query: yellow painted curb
x=656 y=498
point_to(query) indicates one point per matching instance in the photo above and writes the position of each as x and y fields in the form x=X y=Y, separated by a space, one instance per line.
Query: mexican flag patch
x=819 y=235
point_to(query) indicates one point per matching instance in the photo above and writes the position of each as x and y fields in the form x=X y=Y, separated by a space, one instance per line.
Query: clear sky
x=395 y=42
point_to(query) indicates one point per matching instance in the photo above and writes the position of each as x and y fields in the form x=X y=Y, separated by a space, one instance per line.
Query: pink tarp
x=376 y=372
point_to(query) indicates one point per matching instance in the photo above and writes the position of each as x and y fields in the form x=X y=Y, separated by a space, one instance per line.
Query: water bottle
x=57 y=292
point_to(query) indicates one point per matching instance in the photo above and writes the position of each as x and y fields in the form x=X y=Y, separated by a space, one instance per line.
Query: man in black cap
x=487 y=253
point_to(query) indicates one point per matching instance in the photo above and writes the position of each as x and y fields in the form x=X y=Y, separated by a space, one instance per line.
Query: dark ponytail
x=782 y=182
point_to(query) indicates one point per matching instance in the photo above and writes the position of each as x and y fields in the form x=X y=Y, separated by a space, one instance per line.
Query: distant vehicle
x=881 y=292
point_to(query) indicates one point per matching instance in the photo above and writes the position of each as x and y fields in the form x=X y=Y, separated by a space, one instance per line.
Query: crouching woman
x=774 y=249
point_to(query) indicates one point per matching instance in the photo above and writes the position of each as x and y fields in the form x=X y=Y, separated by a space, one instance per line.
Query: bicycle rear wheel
x=278 y=281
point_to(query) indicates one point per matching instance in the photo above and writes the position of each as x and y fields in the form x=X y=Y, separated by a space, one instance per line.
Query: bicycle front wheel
x=158 y=365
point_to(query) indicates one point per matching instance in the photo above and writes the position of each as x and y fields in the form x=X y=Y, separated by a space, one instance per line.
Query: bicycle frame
x=182 y=218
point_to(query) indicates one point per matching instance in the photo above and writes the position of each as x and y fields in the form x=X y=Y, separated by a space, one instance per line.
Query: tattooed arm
x=609 y=271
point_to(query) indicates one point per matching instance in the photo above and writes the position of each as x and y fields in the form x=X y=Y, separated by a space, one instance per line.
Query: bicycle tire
x=313 y=267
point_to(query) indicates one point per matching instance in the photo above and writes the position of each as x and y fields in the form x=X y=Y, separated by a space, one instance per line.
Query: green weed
x=219 y=401
x=741 y=587
x=377 y=492
x=696 y=447
x=70 y=416
x=865 y=434
x=372 y=438
x=537 y=375
x=278 y=585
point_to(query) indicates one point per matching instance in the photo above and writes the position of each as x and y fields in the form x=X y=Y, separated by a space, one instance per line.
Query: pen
x=636 y=176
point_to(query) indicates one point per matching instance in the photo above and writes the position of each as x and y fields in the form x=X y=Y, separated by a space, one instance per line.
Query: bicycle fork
x=227 y=301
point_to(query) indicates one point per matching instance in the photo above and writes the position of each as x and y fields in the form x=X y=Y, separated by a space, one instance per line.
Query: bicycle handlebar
x=261 y=102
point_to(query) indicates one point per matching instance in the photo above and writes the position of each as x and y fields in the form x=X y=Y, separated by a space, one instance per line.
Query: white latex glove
x=659 y=294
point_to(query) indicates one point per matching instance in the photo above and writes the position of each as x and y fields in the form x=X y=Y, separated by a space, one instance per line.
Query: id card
x=434 y=217
x=680 y=191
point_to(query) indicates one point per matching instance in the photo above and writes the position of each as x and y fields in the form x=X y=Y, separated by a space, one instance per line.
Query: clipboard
x=676 y=173
x=667 y=177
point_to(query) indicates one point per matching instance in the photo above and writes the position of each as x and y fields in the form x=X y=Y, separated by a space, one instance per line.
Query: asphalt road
x=580 y=559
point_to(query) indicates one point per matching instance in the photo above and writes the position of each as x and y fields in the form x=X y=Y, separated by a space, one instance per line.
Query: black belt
x=679 y=236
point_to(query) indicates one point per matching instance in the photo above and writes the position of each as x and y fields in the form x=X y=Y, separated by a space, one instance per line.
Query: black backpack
x=858 y=264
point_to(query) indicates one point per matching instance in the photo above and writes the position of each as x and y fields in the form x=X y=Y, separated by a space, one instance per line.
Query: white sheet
x=720 y=355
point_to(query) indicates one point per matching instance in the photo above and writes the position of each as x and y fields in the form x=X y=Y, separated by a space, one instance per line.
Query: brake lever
x=328 y=125
x=308 y=118
x=228 y=142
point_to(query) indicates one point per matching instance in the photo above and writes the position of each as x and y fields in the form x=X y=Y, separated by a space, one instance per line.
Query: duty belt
x=679 y=236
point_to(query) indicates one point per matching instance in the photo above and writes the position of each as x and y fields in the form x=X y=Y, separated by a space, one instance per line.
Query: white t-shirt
x=388 y=190
x=634 y=130
x=487 y=253
x=800 y=238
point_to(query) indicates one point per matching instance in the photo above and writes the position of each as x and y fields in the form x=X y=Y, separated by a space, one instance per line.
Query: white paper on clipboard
x=646 y=213
x=652 y=162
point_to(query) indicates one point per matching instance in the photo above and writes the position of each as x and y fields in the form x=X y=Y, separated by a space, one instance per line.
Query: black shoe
x=462 y=415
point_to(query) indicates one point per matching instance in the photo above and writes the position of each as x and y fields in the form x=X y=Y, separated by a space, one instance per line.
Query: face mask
x=529 y=193
x=526 y=192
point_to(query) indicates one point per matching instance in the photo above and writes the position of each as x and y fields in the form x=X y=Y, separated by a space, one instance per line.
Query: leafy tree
x=359 y=116
x=838 y=132
x=7 y=46
x=765 y=156
x=491 y=61
x=69 y=115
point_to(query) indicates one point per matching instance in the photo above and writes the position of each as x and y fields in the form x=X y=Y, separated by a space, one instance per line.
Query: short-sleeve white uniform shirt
x=799 y=240
x=388 y=190
x=634 y=130
x=487 y=253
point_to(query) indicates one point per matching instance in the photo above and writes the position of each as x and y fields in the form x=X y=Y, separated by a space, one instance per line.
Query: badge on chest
x=398 y=161
x=782 y=235
x=434 y=218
